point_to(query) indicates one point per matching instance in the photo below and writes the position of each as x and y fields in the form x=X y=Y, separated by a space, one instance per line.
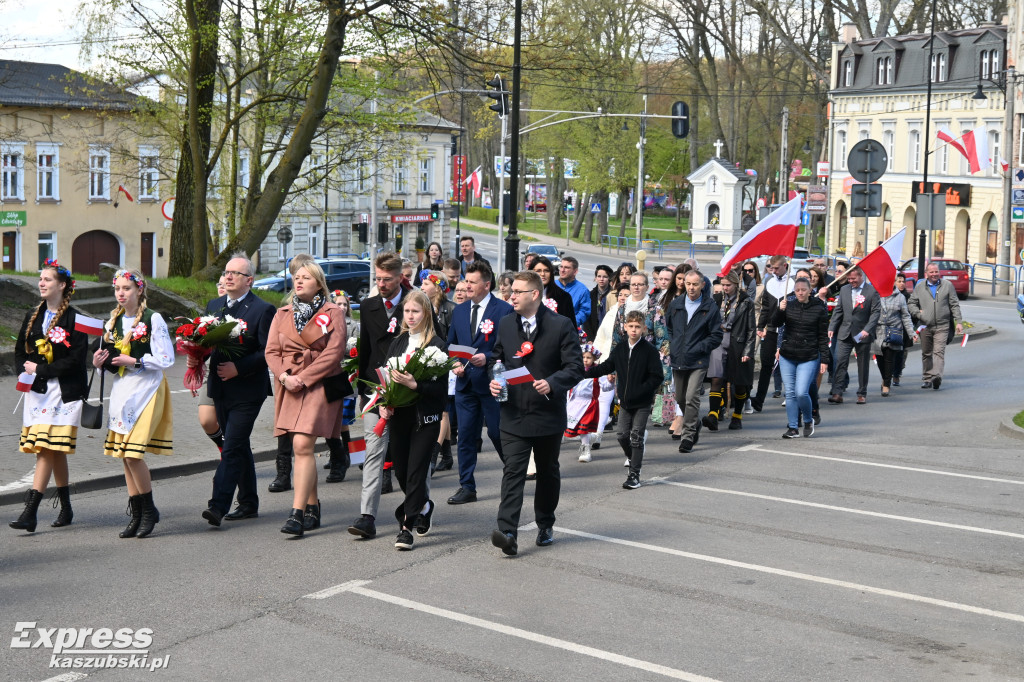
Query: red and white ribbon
x=524 y=350
x=392 y=325
x=487 y=326
x=323 y=320
x=59 y=335
x=552 y=304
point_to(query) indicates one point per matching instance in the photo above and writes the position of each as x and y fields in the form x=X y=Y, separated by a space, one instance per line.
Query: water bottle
x=498 y=374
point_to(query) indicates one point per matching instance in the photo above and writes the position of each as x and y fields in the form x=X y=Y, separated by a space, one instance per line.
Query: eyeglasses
x=234 y=273
x=750 y=270
x=637 y=284
x=385 y=279
x=520 y=292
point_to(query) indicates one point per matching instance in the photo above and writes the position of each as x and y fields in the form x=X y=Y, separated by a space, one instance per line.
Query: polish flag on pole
x=476 y=181
x=973 y=145
x=880 y=265
x=120 y=188
x=25 y=382
x=464 y=352
x=946 y=136
x=88 y=325
x=520 y=375
x=357 y=450
x=774 y=236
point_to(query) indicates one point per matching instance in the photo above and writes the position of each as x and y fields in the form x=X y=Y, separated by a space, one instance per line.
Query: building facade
x=879 y=92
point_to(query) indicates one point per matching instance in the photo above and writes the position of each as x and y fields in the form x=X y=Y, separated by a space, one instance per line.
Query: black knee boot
x=134 y=510
x=386 y=486
x=27 y=520
x=340 y=460
x=63 y=496
x=434 y=454
x=150 y=514
x=283 y=482
x=447 y=461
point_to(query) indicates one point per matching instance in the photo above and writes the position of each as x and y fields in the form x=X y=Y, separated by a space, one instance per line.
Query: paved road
x=889 y=546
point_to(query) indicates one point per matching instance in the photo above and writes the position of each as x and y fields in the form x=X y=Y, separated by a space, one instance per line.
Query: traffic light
x=361 y=228
x=398 y=238
x=382 y=233
x=680 y=119
x=501 y=107
x=435 y=211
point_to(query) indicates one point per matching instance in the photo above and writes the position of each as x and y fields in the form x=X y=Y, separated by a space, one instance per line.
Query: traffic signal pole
x=512 y=240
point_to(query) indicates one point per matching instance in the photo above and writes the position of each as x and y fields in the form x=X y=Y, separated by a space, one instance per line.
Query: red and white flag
x=520 y=375
x=89 y=325
x=880 y=265
x=120 y=188
x=464 y=352
x=476 y=181
x=25 y=382
x=964 y=342
x=357 y=450
x=1004 y=165
x=774 y=236
x=973 y=145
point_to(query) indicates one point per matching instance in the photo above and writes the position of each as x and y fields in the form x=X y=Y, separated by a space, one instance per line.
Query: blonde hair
x=427 y=323
x=439 y=295
x=65 y=301
x=304 y=260
x=134 y=276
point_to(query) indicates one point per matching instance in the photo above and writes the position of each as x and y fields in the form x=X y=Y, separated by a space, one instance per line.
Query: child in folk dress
x=137 y=348
x=583 y=409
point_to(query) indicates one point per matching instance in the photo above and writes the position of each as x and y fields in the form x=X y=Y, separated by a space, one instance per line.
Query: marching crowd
x=535 y=356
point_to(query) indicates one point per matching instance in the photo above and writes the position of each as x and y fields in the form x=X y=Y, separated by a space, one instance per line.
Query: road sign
x=867 y=161
x=284 y=235
x=167 y=208
x=817 y=199
x=1018 y=197
x=1017 y=214
x=865 y=201
x=1018 y=175
x=824 y=168
x=805 y=218
x=931 y=211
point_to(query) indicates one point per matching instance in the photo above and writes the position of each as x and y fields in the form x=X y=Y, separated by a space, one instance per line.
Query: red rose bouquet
x=200 y=336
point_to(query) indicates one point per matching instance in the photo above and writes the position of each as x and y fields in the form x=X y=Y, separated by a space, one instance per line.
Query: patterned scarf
x=727 y=308
x=303 y=312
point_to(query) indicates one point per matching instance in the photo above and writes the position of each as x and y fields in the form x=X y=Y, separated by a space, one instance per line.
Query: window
x=984 y=68
x=149 y=174
x=243 y=170
x=427 y=175
x=47 y=246
x=848 y=73
x=12 y=169
x=887 y=143
x=914 y=152
x=992 y=240
x=362 y=176
x=401 y=178
x=880 y=73
x=284 y=250
x=995 y=149
x=841 y=151
x=888 y=70
x=884 y=73
x=99 y=174
x=989 y=64
x=314 y=239
x=937 y=72
x=944 y=159
x=47 y=174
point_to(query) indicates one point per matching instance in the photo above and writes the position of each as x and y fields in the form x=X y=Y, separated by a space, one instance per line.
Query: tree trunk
x=577 y=218
x=602 y=218
x=556 y=185
x=182 y=249
x=588 y=233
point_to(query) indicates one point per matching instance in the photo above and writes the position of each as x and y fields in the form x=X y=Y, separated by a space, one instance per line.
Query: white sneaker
x=783 y=402
x=627 y=463
x=747 y=408
x=585 y=453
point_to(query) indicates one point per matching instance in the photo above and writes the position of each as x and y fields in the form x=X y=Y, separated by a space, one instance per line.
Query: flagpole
x=921 y=251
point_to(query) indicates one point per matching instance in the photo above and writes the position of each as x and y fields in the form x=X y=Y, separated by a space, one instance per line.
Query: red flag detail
x=120 y=188
x=88 y=325
x=880 y=265
x=774 y=236
x=25 y=382
x=464 y=352
x=520 y=375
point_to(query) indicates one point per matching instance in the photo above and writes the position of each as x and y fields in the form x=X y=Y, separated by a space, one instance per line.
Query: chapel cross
x=718 y=148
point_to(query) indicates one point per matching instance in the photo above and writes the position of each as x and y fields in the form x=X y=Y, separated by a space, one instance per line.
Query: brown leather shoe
x=861 y=400
x=835 y=398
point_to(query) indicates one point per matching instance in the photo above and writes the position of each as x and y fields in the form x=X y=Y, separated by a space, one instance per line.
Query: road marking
x=358 y=587
x=755 y=446
x=20 y=483
x=800 y=576
x=818 y=505
x=67 y=677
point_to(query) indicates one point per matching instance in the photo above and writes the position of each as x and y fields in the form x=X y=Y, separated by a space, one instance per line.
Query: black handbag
x=337 y=387
x=92 y=415
x=894 y=337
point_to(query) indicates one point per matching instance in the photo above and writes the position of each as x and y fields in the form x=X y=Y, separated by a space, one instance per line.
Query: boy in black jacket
x=638 y=375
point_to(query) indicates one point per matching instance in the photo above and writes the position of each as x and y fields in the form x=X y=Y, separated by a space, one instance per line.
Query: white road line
x=20 y=483
x=817 y=505
x=800 y=576
x=67 y=677
x=755 y=446
x=357 y=587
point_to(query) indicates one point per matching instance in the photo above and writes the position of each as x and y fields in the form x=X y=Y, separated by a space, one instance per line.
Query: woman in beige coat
x=304 y=351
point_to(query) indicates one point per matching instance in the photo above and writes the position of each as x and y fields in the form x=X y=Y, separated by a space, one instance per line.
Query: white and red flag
x=464 y=352
x=973 y=145
x=476 y=181
x=880 y=265
x=774 y=236
x=357 y=450
x=520 y=375
x=122 y=190
x=25 y=382
x=89 y=325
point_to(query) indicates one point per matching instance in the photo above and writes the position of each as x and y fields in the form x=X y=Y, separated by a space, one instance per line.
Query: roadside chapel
x=717 y=201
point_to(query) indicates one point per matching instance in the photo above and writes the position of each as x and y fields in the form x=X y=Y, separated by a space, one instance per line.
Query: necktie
x=526 y=328
x=474 y=318
x=232 y=302
x=389 y=305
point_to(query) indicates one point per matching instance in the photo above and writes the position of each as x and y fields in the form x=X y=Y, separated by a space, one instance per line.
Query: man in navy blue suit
x=238 y=385
x=475 y=324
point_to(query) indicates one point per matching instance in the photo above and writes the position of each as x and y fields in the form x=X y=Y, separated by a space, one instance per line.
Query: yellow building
x=879 y=91
x=68 y=145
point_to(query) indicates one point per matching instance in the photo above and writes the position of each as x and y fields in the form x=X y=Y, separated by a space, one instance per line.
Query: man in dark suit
x=238 y=385
x=854 y=319
x=533 y=417
x=474 y=404
x=380 y=321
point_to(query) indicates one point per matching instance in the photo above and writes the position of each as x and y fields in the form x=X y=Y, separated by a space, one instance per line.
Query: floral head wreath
x=590 y=348
x=337 y=292
x=139 y=282
x=62 y=271
x=439 y=282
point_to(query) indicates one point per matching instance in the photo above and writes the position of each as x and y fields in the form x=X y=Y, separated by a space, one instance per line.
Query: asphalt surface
x=887 y=546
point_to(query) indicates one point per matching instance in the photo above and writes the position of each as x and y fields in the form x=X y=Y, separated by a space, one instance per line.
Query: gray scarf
x=303 y=312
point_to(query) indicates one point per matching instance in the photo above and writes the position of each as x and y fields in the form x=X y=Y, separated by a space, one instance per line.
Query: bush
x=482 y=214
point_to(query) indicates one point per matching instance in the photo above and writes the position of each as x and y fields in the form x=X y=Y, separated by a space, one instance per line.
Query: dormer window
x=847 y=73
x=989 y=63
x=937 y=72
x=884 y=73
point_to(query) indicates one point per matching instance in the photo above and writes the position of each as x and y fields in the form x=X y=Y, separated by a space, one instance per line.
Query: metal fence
x=658 y=248
x=998 y=273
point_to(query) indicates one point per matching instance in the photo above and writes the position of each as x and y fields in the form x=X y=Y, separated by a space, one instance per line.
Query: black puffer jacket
x=806 y=334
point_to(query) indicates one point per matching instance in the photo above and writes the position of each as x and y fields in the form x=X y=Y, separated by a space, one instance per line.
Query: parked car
x=548 y=251
x=950 y=268
x=351 y=276
x=801 y=259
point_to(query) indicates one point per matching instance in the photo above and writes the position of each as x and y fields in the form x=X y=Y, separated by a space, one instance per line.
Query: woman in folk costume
x=583 y=409
x=138 y=348
x=49 y=348
x=304 y=351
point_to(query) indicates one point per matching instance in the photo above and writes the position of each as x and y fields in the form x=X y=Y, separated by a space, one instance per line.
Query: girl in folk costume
x=138 y=348
x=50 y=349
x=583 y=409
x=414 y=428
x=304 y=351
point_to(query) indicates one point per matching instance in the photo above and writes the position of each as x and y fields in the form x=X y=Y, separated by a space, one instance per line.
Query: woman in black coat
x=803 y=352
x=733 y=361
x=563 y=301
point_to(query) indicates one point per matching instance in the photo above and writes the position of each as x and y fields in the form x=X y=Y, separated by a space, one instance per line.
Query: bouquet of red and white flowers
x=200 y=336
x=425 y=364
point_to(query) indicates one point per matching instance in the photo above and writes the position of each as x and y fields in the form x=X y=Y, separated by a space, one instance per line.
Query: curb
x=1009 y=429
x=113 y=481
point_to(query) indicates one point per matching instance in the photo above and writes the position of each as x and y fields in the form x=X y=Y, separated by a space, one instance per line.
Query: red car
x=955 y=271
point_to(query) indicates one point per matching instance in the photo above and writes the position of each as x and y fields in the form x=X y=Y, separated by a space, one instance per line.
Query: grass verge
x=1018 y=419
